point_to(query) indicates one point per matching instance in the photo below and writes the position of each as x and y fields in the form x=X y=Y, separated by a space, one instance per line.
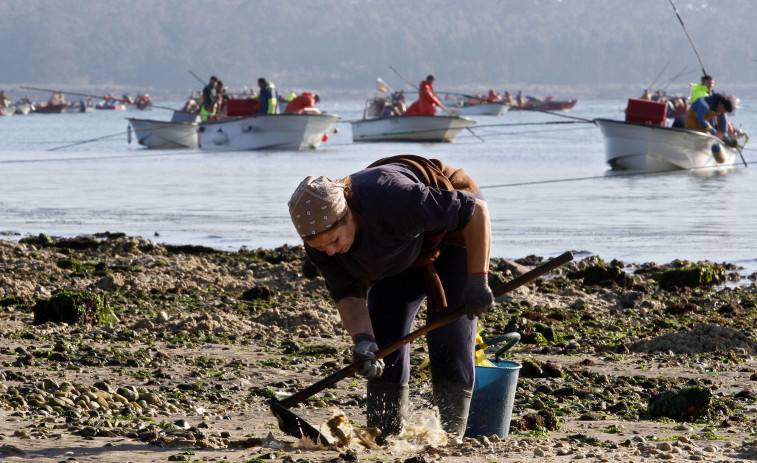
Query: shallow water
x=548 y=186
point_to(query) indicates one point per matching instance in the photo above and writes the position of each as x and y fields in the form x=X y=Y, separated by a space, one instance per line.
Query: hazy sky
x=599 y=47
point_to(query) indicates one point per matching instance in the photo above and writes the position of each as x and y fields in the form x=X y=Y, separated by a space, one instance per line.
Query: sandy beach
x=179 y=349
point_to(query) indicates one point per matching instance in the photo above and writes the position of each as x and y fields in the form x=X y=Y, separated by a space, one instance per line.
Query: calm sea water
x=548 y=186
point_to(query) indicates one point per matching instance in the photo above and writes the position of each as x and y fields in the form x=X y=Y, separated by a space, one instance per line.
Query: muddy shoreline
x=196 y=341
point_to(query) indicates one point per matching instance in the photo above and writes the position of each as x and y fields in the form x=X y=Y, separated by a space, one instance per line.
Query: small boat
x=548 y=104
x=114 y=105
x=179 y=132
x=144 y=101
x=51 y=108
x=23 y=106
x=7 y=111
x=475 y=108
x=81 y=106
x=478 y=105
x=244 y=131
x=643 y=142
x=377 y=125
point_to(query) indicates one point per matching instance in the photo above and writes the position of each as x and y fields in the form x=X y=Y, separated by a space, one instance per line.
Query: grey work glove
x=365 y=349
x=478 y=298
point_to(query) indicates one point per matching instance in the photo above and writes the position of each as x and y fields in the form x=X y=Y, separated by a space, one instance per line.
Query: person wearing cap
x=404 y=230
x=427 y=100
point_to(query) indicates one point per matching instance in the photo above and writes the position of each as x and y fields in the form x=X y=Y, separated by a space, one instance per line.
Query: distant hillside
x=340 y=47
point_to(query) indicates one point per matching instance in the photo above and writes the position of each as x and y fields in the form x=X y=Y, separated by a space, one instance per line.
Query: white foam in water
x=421 y=429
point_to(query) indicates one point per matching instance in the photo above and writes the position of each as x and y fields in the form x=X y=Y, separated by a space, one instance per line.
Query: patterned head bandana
x=316 y=205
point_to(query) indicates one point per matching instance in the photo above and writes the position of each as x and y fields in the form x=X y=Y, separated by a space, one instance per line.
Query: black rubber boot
x=453 y=402
x=386 y=405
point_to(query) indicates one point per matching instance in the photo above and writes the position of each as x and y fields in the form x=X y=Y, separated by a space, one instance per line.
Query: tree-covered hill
x=346 y=44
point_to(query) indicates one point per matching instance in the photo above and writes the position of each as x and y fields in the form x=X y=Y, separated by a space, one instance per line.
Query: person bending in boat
x=305 y=103
x=402 y=230
x=706 y=108
x=427 y=100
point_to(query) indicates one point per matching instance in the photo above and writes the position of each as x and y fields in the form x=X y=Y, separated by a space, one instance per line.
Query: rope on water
x=610 y=174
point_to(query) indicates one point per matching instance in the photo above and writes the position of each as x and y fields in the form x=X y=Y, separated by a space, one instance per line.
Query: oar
x=440 y=103
x=90 y=96
x=295 y=426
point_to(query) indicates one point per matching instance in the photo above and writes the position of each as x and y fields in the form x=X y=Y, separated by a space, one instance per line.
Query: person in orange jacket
x=427 y=101
x=303 y=103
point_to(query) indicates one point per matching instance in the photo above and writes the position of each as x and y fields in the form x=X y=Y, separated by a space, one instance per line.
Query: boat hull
x=23 y=108
x=164 y=134
x=266 y=131
x=643 y=147
x=50 y=108
x=484 y=109
x=410 y=128
x=547 y=105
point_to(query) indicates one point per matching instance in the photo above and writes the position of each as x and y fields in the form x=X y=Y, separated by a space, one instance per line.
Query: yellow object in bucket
x=481 y=360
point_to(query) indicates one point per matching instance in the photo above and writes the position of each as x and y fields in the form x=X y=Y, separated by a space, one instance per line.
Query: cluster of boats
x=643 y=141
x=58 y=105
x=247 y=130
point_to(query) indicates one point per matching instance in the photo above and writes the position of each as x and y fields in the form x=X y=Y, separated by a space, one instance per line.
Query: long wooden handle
x=408 y=338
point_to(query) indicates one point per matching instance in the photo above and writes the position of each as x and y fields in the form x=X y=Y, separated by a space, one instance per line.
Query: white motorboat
x=23 y=108
x=410 y=128
x=266 y=131
x=646 y=147
x=480 y=109
x=7 y=110
x=380 y=123
x=179 y=132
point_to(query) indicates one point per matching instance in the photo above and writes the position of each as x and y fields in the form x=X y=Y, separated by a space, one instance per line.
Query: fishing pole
x=440 y=103
x=123 y=100
x=704 y=73
x=197 y=77
x=659 y=75
x=684 y=71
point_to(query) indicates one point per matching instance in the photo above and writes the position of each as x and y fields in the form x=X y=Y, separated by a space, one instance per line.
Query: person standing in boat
x=209 y=97
x=702 y=89
x=427 y=100
x=269 y=98
x=4 y=100
x=386 y=238
x=493 y=97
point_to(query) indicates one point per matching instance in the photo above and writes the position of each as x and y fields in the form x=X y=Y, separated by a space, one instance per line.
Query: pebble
x=665 y=446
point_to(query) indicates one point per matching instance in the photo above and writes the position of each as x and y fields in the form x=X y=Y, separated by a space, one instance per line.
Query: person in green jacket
x=702 y=89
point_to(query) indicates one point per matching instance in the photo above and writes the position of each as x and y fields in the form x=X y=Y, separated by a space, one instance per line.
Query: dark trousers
x=393 y=304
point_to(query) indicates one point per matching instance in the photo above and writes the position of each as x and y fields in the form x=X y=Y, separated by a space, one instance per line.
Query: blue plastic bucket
x=493 y=396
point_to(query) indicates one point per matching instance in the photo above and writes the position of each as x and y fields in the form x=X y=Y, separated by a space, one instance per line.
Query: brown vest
x=436 y=174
